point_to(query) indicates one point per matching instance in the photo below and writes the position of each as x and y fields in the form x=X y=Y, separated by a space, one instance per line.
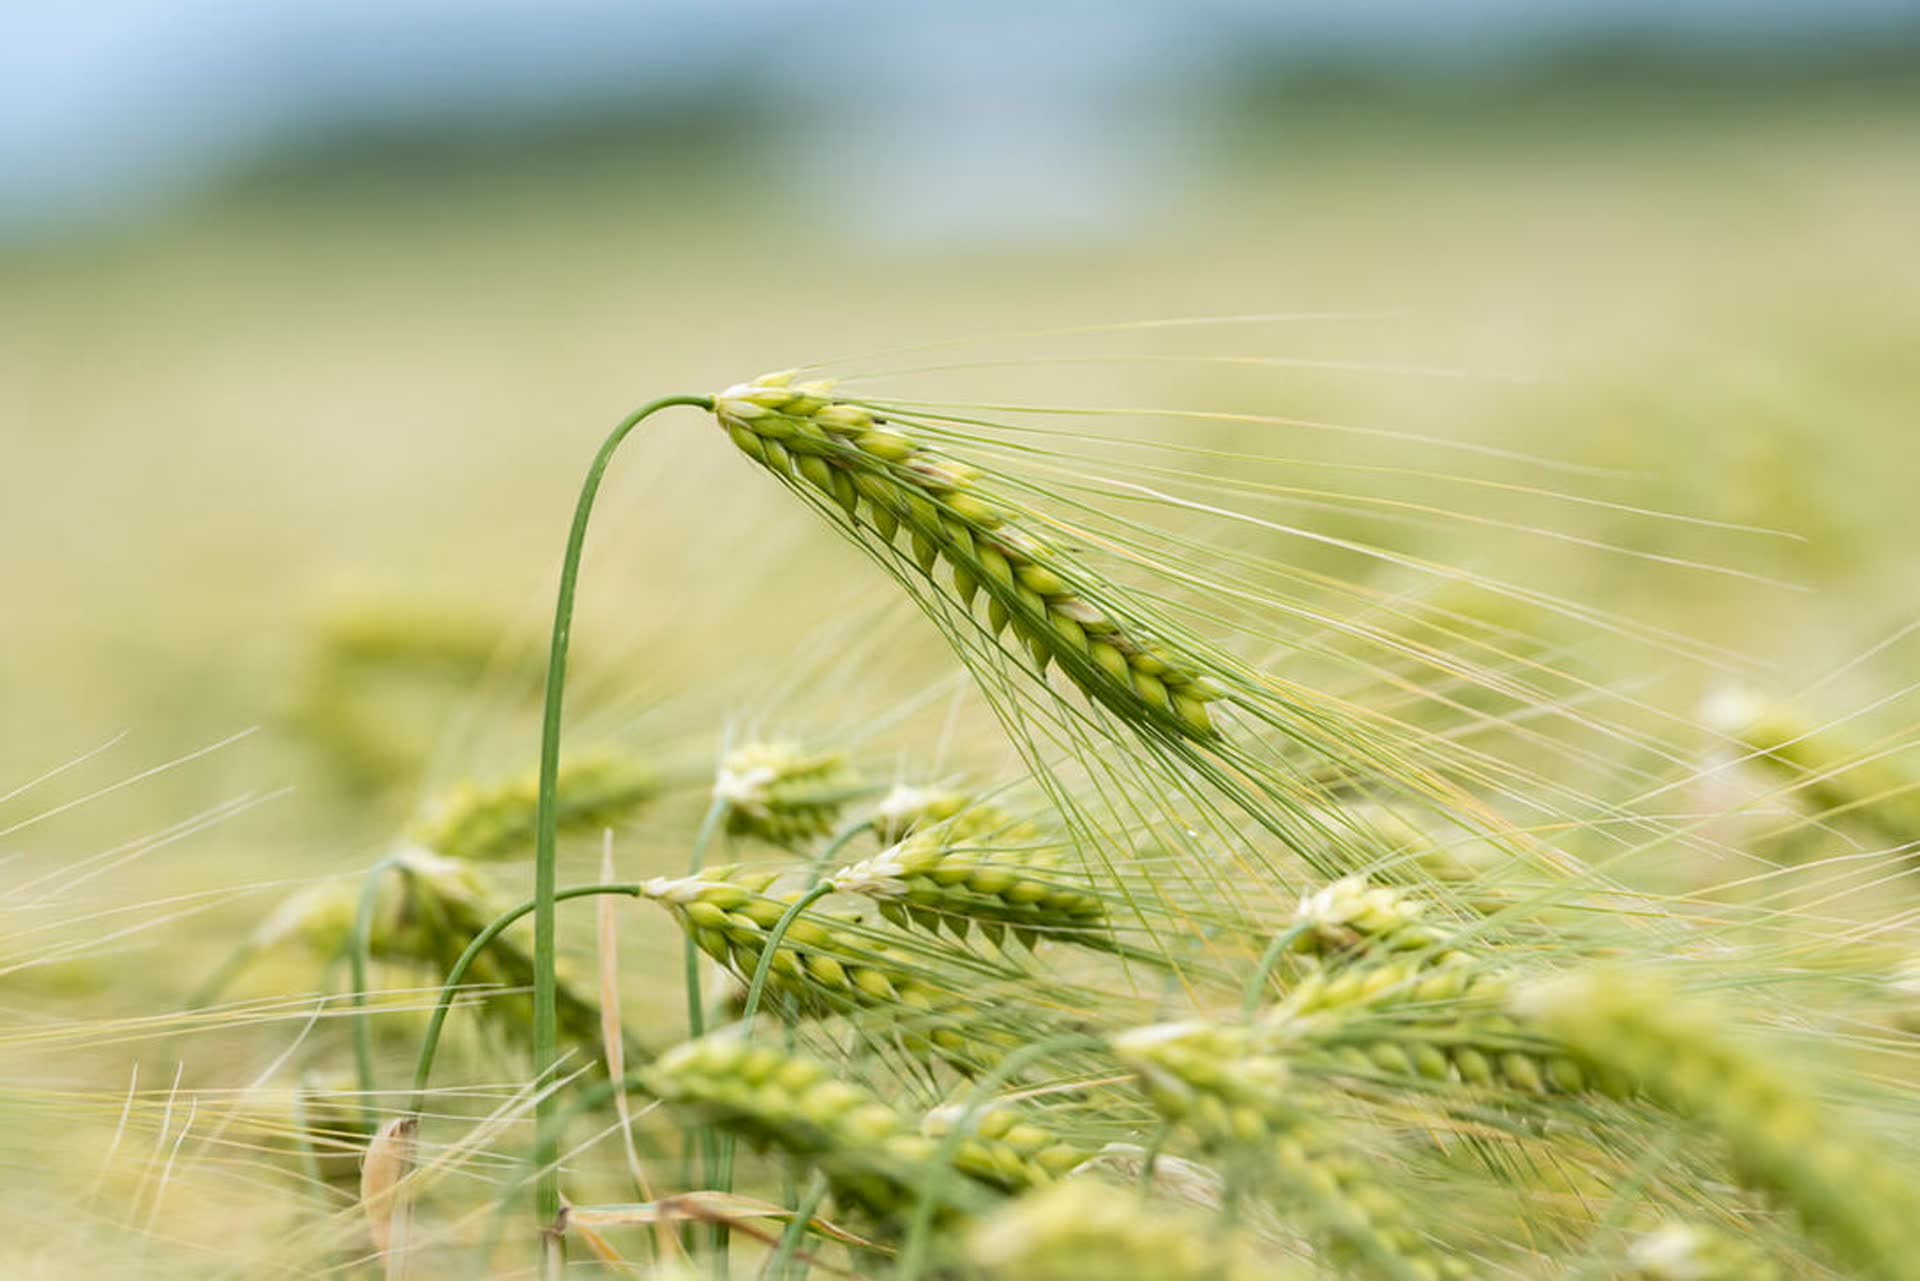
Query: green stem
x=764 y=966
x=723 y=1169
x=710 y=1148
x=696 y=1009
x=546 y=1017
x=1257 y=984
x=721 y=1159
x=450 y=989
x=933 y=1188
x=779 y=1261
x=359 y=944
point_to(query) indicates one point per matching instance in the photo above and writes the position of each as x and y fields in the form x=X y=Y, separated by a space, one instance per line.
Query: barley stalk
x=889 y=483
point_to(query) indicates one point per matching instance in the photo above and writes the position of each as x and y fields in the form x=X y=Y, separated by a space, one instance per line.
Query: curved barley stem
x=546 y=1038
x=456 y=976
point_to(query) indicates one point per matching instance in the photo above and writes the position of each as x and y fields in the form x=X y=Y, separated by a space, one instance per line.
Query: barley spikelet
x=1239 y=1101
x=907 y=809
x=1083 y=1229
x=1779 y=1135
x=1349 y=917
x=1696 y=1252
x=887 y=482
x=783 y=793
x=960 y=873
x=821 y=964
x=1005 y=1148
x=1444 y=1024
x=873 y=1156
x=484 y=823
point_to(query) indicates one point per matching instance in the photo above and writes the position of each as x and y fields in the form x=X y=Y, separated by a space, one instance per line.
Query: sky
x=108 y=103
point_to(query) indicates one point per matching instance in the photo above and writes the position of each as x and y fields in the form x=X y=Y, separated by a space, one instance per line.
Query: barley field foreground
x=1358 y=726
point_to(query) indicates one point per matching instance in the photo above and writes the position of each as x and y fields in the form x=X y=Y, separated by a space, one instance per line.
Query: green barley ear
x=1239 y=1101
x=783 y=793
x=962 y=873
x=823 y=963
x=890 y=484
x=872 y=1155
x=479 y=824
x=1696 y=1252
x=1084 y=1229
x=1350 y=917
x=1835 y=777
x=1006 y=1149
x=907 y=809
x=1442 y=1024
x=1779 y=1135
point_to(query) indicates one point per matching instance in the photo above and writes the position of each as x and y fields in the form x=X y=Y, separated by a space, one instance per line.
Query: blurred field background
x=371 y=361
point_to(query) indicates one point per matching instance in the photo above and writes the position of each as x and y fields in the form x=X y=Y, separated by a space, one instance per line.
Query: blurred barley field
x=349 y=381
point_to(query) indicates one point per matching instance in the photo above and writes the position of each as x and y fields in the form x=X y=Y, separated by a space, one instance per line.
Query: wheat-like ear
x=1084 y=1230
x=1440 y=1024
x=980 y=866
x=823 y=963
x=1837 y=778
x=481 y=823
x=874 y=1157
x=784 y=793
x=891 y=483
x=1779 y=1134
x=1240 y=1101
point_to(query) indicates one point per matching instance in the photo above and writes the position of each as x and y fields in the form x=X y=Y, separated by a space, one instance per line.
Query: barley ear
x=1780 y=1136
x=1059 y=609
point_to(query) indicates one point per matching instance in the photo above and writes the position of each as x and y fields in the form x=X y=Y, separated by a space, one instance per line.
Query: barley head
x=942 y=875
x=1085 y=1229
x=1237 y=1100
x=821 y=964
x=1779 y=1135
x=479 y=823
x=873 y=1155
x=783 y=793
x=888 y=482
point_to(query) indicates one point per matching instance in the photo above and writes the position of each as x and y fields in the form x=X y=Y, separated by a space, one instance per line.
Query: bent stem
x=546 y=1021
x=450 y=988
